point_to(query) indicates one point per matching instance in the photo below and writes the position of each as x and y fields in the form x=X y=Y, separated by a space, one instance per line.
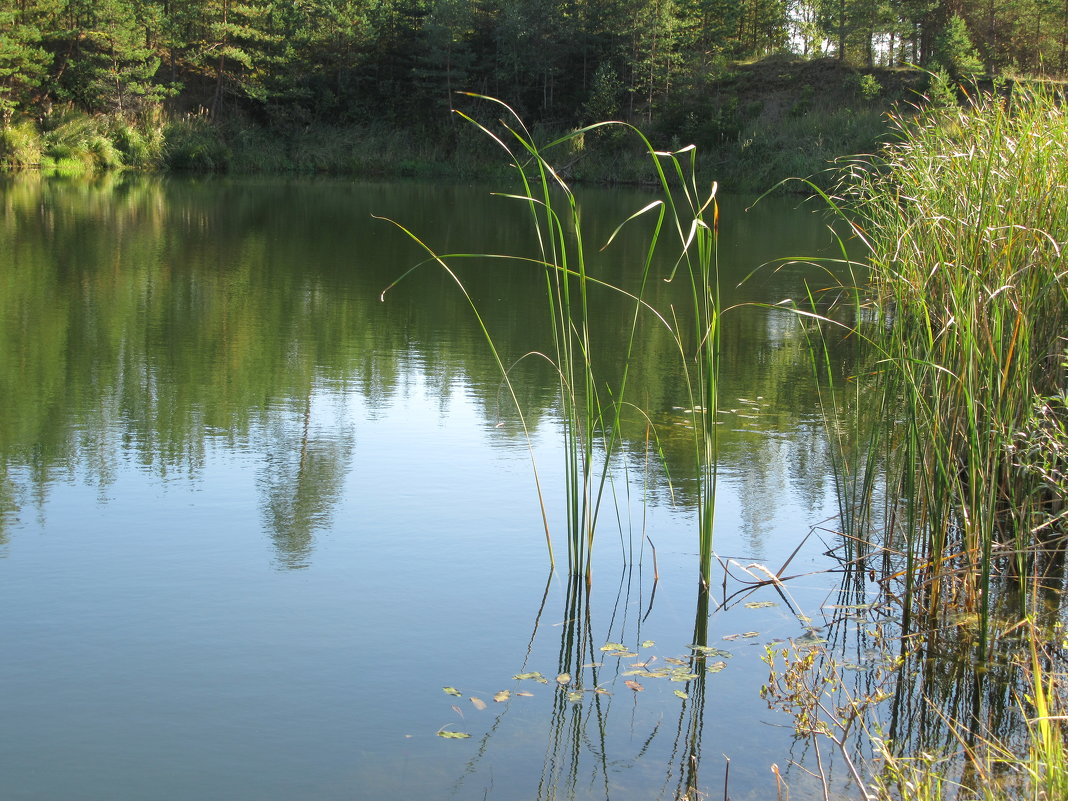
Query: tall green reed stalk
x=966 y=221
x=592 y=410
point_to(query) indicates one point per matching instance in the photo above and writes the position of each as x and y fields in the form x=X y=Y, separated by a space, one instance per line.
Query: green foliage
x=193 y=143
x=966 y=217
x=605 y=95
x=664 y=63
x=941 y=91
x=954 y=51
x=592 y=408
x=20 y=145
x=869 y=87
x=23 y=62
x=103 y=60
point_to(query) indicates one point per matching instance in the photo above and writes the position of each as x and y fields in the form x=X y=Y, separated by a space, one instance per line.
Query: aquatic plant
x=965 y=219
x=954 y=421
x=592 y=410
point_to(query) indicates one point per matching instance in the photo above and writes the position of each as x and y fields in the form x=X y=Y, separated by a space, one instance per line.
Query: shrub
x=20 y=145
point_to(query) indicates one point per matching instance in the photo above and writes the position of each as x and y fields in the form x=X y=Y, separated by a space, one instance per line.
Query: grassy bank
x=755 y=123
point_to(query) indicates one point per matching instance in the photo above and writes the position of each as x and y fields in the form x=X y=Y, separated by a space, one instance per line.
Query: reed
x=592 y=409
x=966 y=218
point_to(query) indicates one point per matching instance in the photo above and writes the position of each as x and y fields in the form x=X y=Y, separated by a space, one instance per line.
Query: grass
x=68 y=142
x=957 y=424
x=966 y=217
x=1032 y=765
x=592 y=410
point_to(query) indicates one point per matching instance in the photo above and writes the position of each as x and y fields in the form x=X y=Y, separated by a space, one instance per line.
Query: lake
x=254 y=518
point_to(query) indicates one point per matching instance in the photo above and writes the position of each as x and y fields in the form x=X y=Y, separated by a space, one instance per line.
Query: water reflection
x=597 y=703
x=146 y=319
x=211 y=361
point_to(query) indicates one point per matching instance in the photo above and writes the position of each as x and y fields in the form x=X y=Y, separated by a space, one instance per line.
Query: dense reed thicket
x=966 y=218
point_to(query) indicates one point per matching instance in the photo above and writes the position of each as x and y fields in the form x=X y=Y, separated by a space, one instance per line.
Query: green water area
x=266 y=536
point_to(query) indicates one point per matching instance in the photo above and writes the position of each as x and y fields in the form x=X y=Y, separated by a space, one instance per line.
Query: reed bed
x=966 y=219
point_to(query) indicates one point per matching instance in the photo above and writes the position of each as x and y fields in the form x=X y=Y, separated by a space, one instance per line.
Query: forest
x=348 y=62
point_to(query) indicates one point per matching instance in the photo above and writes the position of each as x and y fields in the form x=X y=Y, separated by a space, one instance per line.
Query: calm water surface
x=253 y=519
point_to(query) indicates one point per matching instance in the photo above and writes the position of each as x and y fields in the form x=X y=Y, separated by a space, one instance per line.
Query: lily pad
x=648 y=644
x=613 y=646
x=502 y=696
x=563 y=678
x=534 y=675
x=682 y=676
x=574 y=696
x=709 y=650
x=452 y=691
x=716 y=667
x=681 y=694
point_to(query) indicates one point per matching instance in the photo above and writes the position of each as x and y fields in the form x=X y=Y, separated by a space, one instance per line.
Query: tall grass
x=71 y=142
x=592 y=409
x=966 y=219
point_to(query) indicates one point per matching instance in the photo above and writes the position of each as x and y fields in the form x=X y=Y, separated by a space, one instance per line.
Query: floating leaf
x=535 y=675
x=453 y=735
x=657 y=674
x=709 y=650
x=457 y=710
x=563 y=678
x=716 y=667
x=760 y=604
x=503 y=695
x=810 y=638
x=731 y=636
x=524 y=694
x=613 y=646
x=574 y=695
x=622 y=654
x=648 y=644
x=601 y=690
x=635 y=672
x=478 y=703
x=452 y=691
x=634 y=685
x=683 y=676
x=750 y=634
x=674 y=660
x=681 y=694
x=593 y=664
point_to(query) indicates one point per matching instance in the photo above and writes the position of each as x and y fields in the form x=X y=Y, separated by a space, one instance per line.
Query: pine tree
x=24 y=62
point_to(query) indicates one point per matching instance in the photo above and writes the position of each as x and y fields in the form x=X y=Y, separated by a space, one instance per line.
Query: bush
x=20 y=145
x=193 y=143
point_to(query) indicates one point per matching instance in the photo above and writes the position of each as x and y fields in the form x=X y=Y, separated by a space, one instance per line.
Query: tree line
x=347 y=61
